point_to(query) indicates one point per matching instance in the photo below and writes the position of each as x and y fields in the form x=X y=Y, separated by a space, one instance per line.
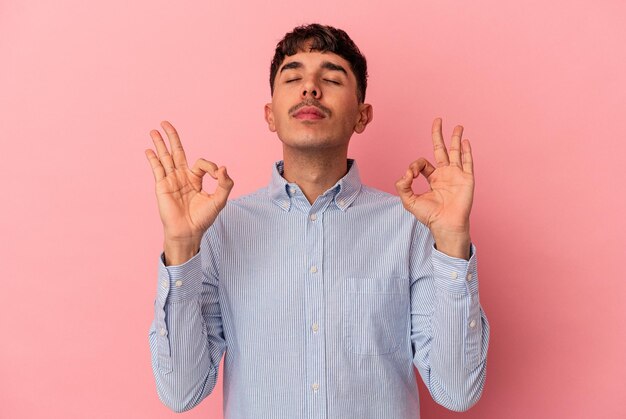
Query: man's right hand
x=186 y=210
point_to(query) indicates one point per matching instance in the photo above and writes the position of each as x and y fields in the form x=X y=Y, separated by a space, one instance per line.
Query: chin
x=309 y=139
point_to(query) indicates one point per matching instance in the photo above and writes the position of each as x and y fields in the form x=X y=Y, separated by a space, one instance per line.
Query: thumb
x=224 y=186
x=403 y=186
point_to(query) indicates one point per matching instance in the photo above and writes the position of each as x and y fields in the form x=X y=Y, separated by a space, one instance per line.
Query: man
x=323 y=293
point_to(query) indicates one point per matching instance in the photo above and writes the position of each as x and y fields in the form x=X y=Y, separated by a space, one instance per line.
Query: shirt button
x=179 y=283
x=313 y=269
x=162 y=332
x=313 y=217
x=342 y=202
x=454 y=275
x=469 y=277
x=315 y=387
x=164 y=284
x=473 y=323
x=292 y=190
x=315 y=327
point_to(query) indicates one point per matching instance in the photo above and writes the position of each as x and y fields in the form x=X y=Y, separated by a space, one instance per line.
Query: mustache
x=310 y=102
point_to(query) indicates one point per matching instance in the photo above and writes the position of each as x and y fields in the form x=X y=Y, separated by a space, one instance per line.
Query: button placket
x=315 y=304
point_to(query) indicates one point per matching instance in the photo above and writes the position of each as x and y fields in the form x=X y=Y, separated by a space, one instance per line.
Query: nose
x=311 y=89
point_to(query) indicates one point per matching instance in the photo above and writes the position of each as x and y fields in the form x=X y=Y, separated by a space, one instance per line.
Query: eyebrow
x=325 y=64
x=332 y=66
x=293 y=64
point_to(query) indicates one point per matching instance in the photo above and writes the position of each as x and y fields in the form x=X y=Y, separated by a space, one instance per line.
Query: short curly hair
x=323 y=38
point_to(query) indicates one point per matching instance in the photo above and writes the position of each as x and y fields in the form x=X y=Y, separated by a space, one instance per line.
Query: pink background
x=539 y=87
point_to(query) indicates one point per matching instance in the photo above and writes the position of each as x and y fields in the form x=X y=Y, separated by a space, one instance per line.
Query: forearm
x=452 y=356
x=460 y=334
x=185 y=355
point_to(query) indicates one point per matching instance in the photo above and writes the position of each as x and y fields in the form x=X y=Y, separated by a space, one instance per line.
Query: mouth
x=309 y=113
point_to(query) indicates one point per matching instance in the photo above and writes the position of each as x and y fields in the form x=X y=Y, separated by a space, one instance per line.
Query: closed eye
x=332 y=81
x=289 y=81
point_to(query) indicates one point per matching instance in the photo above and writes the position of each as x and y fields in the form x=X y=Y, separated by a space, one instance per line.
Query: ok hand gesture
x=186 y=210
x=445 y=208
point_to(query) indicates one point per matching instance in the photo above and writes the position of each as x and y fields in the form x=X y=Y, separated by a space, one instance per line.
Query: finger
x=157 y=168
x=202 y=166
x=422 y=166
x=178 y=153
x=468 y=162
x=164 y=155
x=224 y=186
x=441 y=154
x=455 y=146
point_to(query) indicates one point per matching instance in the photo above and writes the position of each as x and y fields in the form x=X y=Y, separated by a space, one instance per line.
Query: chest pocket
x=376 y=313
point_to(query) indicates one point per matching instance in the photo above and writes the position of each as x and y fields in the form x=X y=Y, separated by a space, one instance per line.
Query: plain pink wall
x=539 y=87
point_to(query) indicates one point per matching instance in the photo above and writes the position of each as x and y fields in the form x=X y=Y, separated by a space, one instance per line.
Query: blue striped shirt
x=321 y=310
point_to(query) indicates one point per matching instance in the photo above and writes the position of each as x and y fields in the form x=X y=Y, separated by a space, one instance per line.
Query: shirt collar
x=344 y=192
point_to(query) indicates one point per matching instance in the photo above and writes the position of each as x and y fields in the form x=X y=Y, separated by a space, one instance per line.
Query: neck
x=314 y=171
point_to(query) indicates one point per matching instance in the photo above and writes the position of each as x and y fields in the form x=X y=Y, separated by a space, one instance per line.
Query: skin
x=315 y=151
x=445 y=207
x=315 y=158
x=186 y=210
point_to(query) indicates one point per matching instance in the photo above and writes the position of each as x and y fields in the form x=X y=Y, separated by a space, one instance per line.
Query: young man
x=323 y=293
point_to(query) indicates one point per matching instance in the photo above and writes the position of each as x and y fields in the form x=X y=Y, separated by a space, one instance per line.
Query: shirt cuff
x=455 y=275
x=179 y=282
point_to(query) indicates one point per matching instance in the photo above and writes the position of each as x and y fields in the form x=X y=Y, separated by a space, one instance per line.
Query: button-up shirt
x=321 y=310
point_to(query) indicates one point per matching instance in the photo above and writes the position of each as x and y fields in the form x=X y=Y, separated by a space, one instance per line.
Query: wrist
x=178 y=251
x=454 y=244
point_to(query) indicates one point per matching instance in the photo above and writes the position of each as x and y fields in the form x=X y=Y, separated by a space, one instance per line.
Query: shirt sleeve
x=186 y=336
x=449 y=329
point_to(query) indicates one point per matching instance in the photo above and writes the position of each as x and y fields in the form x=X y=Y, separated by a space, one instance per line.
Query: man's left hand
x=445 y=208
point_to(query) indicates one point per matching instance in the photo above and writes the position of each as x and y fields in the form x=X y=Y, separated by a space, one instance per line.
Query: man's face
x=314 y=104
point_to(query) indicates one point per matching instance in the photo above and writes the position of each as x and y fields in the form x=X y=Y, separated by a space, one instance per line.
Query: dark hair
x=323 y=39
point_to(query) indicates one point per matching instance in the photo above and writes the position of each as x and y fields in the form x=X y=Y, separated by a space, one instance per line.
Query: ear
x=365 y=116
x=269 y=117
